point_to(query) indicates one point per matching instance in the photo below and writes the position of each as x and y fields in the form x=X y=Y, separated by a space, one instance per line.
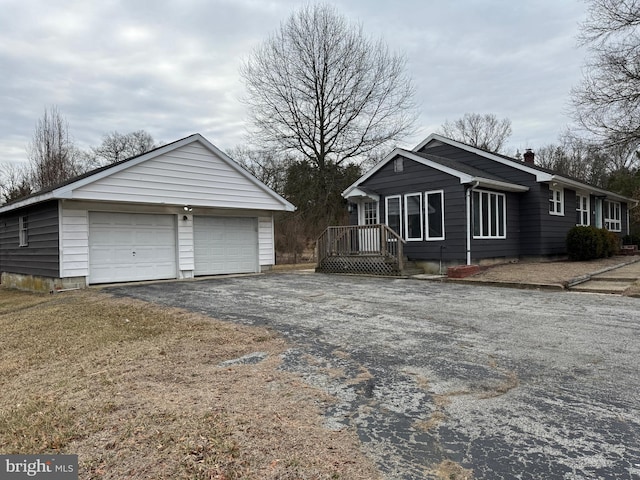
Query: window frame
x=366 y=210
x=491 y=225
x=420 y=212
x=558 y=203
x=386 y=212
x=427 y=237
x=609 y=222
x=23 y=231
x=580 y=211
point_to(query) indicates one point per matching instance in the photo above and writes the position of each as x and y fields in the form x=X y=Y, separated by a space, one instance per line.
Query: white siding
x=74 y=244
x=266 y=241
x=189 y=175
x=185 y=245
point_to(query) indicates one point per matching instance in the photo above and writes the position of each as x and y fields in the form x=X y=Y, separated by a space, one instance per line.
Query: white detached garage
x=179 y=211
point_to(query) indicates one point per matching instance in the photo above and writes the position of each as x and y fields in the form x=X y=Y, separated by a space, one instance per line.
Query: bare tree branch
x=607 y=103
x=53 y=158
x=116 y=146
x=319 y=87
x=482 y=131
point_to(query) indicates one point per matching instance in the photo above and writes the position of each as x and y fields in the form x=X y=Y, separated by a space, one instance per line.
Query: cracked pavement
x=514 y=384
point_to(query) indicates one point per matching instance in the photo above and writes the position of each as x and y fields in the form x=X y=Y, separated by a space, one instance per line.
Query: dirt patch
x=545 y=272
x=139 y=391
x=449 y=470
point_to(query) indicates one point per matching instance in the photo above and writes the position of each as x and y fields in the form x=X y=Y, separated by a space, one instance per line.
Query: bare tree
x=586 y=160
x=14 y=182
x=482 y=131
x=267 y=166
x=607 y=103
x=117 y=146
x=319 y=87
x=52 y=155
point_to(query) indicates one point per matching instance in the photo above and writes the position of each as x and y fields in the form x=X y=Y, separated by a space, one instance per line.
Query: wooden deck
x=361 y=249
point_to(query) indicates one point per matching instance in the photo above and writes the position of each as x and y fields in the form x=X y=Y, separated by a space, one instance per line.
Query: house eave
x=497 y=185
x=579 y=186
x=28 y=201
x=356 y=193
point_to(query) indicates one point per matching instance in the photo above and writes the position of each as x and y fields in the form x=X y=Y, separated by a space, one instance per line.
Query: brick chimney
x=529 y=157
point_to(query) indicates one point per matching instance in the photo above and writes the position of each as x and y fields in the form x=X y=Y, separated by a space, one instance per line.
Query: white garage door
x=131 y=246
x=225 y=245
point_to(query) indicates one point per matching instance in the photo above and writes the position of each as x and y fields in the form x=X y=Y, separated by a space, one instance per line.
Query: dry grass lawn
x=137 y=391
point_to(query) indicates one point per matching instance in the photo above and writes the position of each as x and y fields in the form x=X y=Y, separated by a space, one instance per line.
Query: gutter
x=468 y=202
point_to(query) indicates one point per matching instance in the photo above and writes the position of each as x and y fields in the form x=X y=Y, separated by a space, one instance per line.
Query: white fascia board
x=373 y=170
x=540 y=176
x=28 y=201
x=579 y=186
x=287 y=206
x=464 y=178
x=67 y=190
x=355 y=193
x=498 y=185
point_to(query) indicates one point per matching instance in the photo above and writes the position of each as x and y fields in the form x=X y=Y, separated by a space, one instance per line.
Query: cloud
x=171 y=68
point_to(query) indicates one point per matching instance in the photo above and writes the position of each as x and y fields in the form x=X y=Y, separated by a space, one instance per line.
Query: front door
x=368 y=238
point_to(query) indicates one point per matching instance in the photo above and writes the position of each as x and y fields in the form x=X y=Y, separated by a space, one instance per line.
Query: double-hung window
x=612 y=216
x=23 y=231
x=582 y=210
x=413 y=216
x=434 y=210
x=393 y=213
x=556 y=201
x=489 y=215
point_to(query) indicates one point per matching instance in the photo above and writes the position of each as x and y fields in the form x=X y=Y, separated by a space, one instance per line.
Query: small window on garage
x=23 y=231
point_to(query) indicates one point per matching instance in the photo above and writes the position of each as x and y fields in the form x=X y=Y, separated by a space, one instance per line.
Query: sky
x=171 y=67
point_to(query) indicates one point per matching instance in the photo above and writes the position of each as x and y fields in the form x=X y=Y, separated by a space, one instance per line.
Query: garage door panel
x=225 y=245
x=131 y=247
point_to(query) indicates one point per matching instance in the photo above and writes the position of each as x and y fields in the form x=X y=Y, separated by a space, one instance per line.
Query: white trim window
x=434 y=212
x=369 y=213
x=23 y=231
x=583 y=206
x=612 y=216
x=489 y=214
x=556 y=201
x=393 y=213
x=413 y=216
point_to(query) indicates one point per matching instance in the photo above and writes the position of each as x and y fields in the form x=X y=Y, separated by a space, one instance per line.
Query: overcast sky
x=170 y=67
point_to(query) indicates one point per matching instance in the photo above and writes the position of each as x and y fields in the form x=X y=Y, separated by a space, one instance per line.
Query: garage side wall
x=266 y=241
x=74 y=243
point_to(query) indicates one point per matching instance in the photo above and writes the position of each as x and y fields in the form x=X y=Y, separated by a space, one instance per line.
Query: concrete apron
x=614 y=280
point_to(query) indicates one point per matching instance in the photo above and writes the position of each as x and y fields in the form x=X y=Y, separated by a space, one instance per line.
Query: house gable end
x=191 y=173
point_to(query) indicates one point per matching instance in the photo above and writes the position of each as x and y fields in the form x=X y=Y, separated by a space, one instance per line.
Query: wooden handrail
x=351 y=240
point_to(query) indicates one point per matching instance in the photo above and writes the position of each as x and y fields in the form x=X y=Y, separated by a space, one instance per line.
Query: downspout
x=468 y=202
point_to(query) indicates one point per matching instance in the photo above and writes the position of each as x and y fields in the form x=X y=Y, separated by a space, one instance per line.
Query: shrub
x=633 y=239
x=611 y=243
x=585 y=243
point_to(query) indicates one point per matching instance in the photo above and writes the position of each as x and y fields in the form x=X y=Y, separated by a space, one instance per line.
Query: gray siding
x=41 y=256
x=501 y=247
x=417 y=178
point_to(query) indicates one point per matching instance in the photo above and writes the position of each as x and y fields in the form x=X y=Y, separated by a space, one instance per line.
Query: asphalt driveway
x=510 y=383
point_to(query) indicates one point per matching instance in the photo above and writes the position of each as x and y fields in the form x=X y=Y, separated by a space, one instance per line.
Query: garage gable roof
x=189 y=171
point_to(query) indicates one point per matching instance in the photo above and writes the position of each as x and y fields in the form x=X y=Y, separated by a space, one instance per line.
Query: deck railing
x=361 y=240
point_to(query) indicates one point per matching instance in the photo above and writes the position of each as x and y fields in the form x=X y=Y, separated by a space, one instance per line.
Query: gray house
x=182 y=210
x=451 y=202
